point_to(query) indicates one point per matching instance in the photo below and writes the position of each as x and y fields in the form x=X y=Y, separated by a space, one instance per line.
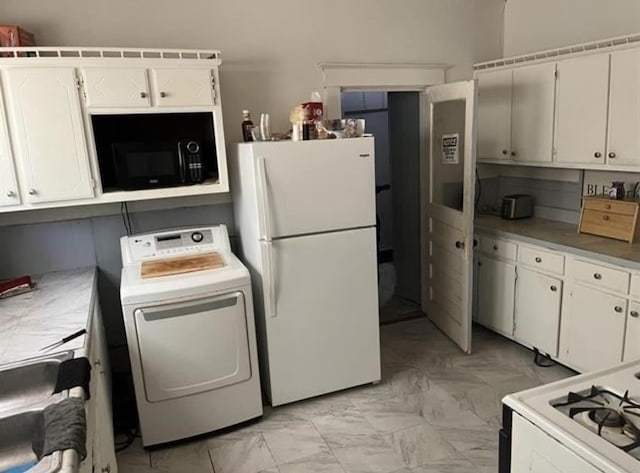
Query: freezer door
x=323 y=335
x=316 y=186
x=193 y=346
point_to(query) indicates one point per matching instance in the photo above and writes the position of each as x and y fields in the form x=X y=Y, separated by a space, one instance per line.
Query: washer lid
x=135 y=290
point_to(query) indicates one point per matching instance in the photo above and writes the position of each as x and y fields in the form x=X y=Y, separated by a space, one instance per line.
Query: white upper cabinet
x=624 y=109
x=49 y=136
x=116 y=87
x=581 y=110
x=532 y=113
x=9 y=193
x=494 y=115
x=183 y=87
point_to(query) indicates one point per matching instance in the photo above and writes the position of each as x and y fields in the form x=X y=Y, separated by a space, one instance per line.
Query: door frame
x=388 y=77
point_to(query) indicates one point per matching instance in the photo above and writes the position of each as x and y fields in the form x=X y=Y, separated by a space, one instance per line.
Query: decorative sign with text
x=450 y=148
x=598 y=183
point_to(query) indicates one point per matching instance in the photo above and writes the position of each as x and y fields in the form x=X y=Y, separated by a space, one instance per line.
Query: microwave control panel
x=178 y=243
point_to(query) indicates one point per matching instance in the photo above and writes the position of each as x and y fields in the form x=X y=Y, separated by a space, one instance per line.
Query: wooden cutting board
x=180 y=265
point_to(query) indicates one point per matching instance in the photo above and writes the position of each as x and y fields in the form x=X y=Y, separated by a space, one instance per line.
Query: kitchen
x=265 y=70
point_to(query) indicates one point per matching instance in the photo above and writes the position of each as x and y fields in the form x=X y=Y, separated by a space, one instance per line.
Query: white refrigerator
x=305 y=216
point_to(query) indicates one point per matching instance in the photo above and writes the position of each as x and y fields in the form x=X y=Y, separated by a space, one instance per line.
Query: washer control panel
x=174 y=243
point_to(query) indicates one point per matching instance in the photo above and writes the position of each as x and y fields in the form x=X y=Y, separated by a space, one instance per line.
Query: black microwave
x=146 y=165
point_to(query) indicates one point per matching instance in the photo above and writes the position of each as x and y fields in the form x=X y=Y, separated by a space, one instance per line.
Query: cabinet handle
x=495 y=247
x=505 y=152
x=11 y=194
x=635 y=314
x=607 y=206
x=597 y=276
x=106 y=469
x=597 y=154
x=538 y=260
x=612 y=155
x=475 y=243
x=163 y=94
x=605 y=217
x=479 y=263
x=513 y=153
x=143 y=95
x=554 y=288
x=459 y=245
x=618 y=309
x=32 y=191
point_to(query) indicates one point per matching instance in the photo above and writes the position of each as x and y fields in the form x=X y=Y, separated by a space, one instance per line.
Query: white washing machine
x=191 y=337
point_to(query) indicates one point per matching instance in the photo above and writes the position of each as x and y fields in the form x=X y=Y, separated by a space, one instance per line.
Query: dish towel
x=73 y=373
x=65 y=427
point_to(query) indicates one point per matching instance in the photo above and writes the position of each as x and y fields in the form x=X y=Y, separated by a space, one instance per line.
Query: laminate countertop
x=60 y=305
x=562 y=237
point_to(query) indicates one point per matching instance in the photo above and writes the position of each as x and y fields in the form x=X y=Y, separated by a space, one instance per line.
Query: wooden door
x=9 y=193
x=537 y=310
x=624 y=109
x=116 y=87
x=496 y=292
x=449 y=209
x=581 y=110
x=494 y=115
x=532 y=113
x=632 y=334
x=594 y=317
x=51 y=146
x=183 y=87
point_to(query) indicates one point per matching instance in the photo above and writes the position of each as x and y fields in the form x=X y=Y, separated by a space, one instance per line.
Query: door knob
x=597 y=276
x=597 y=154
x=505 y=152
x=459 y=245
x=635 y=314
x=618 y=309
x=513 y=153
x=32 y=191
x=11 y=194
x=612 y=155
x=143 y=95
x=538 y=260
x=554 y=288
x=163 y=94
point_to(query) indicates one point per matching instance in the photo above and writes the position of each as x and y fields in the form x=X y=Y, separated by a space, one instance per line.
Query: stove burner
x=607 y=417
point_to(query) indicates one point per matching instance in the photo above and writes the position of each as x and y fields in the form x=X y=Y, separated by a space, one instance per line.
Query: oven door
x=194 y=346
x=147 y=165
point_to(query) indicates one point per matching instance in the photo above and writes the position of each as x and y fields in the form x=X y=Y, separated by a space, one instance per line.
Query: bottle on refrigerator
x=247 y=125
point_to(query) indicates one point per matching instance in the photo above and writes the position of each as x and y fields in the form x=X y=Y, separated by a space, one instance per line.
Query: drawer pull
x=605 y=217
x=607 y=206
x=612 y=155
x=505 y=152
x=635 y=314
x=460 y=245
x=538 y=260
x=554 y=288
x=143 y=95
x=597 y=276
x=597 y=154
x=618 y=309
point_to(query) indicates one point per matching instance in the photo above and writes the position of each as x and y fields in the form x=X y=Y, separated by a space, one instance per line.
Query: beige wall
x=271 y=48
x=534 y=25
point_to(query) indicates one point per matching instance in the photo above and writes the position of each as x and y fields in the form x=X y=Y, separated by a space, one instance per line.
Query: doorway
x=394 y=119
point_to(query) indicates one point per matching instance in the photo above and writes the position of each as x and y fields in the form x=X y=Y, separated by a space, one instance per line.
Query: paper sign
x=450 y=148
x=598 y=183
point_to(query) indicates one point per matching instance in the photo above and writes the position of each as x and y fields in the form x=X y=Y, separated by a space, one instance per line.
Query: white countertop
x=60 y=305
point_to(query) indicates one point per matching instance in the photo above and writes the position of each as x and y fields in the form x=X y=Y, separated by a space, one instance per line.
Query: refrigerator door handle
x=268 y=279
x=264 y=216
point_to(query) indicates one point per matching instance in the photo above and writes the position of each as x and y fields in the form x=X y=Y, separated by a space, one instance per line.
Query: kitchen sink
x=29 y=383
x=20 y=436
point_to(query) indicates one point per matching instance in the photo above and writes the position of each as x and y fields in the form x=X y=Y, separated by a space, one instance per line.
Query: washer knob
x=193 y=147
x=197 y=237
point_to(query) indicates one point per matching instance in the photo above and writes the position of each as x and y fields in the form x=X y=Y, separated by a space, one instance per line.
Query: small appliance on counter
x=517 y=206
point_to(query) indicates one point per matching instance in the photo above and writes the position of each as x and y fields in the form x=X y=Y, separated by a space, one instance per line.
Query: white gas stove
x=588 y=423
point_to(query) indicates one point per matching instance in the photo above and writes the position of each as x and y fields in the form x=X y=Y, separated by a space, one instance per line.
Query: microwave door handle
x=181 y=164
x=264 y=216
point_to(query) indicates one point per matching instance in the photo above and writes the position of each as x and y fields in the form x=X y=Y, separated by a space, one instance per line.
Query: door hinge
x=557 y=73
x=93 y=183
x=213 y=88
x=80 y=87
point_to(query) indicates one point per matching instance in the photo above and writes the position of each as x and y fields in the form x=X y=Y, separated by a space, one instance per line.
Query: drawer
x=496 y=247
x=601 y=276
x=541 y=259
x=612 y=206
x=635 y=285
x=612 y=225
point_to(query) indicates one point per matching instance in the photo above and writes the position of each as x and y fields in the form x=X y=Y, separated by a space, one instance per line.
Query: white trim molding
x=374 y=76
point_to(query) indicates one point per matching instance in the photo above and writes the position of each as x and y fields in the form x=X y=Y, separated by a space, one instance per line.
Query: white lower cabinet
x=632 y=334
x=537 y=310
x=594 y=328
x=496 y=287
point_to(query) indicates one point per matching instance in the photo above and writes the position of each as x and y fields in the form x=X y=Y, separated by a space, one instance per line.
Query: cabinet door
x=632 y=334
x=624 y=109
x=595 y=331
x=51 y=145
x=9 y=194
x=116 y=87
x=581 y=109
x=494 y=115
x=496 y=288
x=532 y=116
x=537 y=310
x=183 y=87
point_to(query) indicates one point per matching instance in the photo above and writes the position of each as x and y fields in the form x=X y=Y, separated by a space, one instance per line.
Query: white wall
x=534 y=25
x=271 y=48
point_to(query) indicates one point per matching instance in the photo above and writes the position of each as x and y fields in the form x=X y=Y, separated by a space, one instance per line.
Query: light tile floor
x=435 y=411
